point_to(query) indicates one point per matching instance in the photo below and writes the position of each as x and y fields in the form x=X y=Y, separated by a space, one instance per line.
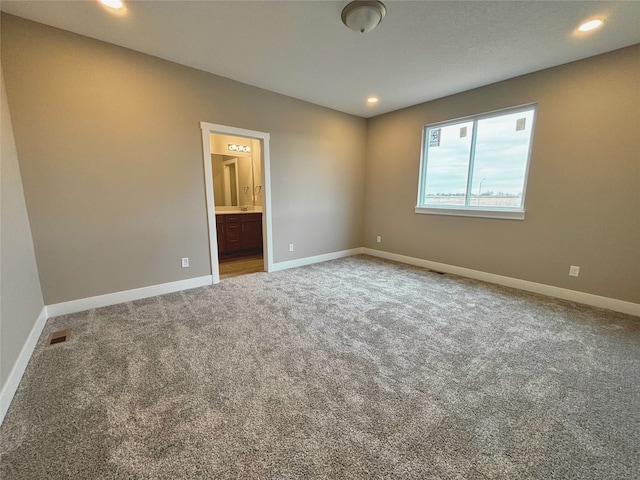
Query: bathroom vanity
x=239 y=233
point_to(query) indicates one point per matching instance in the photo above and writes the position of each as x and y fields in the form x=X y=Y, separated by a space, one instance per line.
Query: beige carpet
x=355 y=368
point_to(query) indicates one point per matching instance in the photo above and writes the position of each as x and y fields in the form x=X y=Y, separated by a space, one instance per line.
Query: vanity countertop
x=236 y=211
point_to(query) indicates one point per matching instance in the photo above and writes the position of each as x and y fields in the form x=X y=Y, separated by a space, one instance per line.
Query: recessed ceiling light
x=373 y=100
x=590 y=25
x=115 y=4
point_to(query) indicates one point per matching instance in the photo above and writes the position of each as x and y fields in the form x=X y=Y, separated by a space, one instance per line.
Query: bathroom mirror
x=236 y=175
x=232 y=181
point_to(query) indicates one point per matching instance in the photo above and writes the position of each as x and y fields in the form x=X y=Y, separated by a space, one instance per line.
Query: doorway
x=246 y=199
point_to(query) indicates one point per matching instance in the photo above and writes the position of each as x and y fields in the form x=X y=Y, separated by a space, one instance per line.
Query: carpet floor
x=354 y=368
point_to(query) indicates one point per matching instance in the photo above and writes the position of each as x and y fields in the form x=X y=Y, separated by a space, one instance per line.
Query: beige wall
x=583 y=194
x=218 y=177
x=111 y=156
x=110 y=151
x=21 y=298
x=258 y=181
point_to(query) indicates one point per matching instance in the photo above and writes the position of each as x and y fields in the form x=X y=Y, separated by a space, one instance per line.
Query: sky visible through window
x=499 y=165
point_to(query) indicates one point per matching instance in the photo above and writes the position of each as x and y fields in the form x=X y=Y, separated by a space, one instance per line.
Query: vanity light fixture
x=239 y=148
x=590 y=25
x=362 y=16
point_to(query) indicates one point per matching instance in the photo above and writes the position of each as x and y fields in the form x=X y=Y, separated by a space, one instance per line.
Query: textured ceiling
x=421 y=51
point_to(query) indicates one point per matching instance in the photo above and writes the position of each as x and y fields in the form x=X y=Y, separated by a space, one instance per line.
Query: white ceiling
x=421 y=51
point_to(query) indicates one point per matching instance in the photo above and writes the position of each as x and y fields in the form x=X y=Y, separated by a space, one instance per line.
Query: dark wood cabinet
x=220 y=233
x=251 y=234
x=239 y=234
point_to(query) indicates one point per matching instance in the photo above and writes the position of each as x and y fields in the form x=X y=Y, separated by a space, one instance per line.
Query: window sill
x=472 y=212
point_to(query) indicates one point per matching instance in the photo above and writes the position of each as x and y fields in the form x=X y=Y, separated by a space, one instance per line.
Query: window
x=477 y=166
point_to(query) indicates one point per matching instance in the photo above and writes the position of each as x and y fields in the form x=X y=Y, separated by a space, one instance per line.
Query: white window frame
x=511 y=213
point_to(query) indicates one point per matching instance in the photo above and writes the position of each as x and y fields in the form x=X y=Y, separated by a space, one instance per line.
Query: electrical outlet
x=574 y=271
x=379 y=239
x=185 y=262
x=291 y=247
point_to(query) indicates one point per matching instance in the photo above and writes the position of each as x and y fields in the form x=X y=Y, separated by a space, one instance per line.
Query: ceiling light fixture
x=590 y=25
x=362 y=16
x=115 y=4
x=373 y=100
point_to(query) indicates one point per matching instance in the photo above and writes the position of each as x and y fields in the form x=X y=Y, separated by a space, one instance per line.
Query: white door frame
x=267 y=247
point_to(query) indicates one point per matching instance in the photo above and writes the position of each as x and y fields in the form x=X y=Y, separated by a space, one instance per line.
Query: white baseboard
x=301 y=262
x=566 y=294
x=11 y=385
x=49 y=311
x=81 y=304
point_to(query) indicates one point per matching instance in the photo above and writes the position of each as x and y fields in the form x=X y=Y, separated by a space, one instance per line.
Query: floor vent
x=60 y=336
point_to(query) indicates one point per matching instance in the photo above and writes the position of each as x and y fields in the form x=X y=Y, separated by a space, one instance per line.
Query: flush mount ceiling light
x=372 y=100
x=362 y=16
x=590 y=25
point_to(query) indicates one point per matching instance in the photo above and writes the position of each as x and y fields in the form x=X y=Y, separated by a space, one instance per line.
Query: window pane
x=499 y=169
x=447 y=161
